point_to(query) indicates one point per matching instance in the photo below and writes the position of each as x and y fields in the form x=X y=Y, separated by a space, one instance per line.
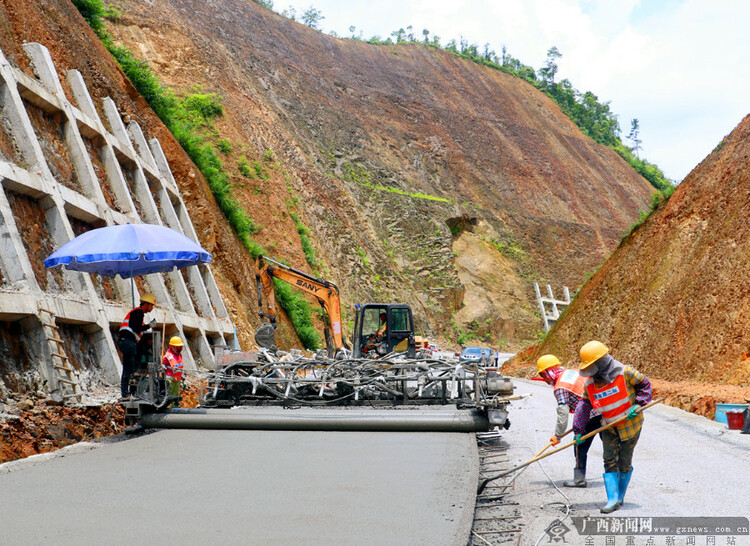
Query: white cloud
x=679 y=66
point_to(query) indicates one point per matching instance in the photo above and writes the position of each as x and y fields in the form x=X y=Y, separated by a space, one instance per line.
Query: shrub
x=261 y=171
x=224 y=146
x=244 y=166
x=204 y=106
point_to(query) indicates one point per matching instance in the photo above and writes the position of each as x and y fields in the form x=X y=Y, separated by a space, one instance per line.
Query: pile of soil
x=697 y=397
x=44 y=427
x=34 y=426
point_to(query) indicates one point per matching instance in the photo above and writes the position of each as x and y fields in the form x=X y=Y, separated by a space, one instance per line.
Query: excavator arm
x=324 y=291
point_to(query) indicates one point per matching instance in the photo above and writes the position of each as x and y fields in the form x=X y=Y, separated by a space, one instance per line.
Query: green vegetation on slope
x=189 y=119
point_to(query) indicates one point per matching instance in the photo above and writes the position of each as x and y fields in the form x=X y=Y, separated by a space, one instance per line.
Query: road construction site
x=317 y=487
x=684 y=466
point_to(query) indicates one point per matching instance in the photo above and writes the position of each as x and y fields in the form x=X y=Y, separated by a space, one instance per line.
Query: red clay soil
x=343 y=117
x=674 y=299
x=46 y=428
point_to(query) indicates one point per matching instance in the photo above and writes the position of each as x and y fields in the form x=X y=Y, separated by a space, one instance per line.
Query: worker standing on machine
x=172 y=363
x=568 y=390
x=614 y=390
x=131 y=331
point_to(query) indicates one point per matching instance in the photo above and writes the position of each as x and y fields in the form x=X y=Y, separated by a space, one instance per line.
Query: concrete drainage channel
x=496 y=520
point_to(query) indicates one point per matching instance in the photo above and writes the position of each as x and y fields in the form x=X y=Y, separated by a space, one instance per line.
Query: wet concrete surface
x=684 y=465
x=245 y=487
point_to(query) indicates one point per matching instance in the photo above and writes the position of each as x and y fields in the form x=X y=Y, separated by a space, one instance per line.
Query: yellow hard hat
x=591 y=352
x=175 y=341
x=547 y=361
x=148 y=297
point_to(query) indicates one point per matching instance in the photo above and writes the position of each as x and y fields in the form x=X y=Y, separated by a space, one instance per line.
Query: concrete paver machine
x=387 y=380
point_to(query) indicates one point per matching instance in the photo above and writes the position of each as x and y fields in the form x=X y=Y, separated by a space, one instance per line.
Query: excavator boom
x=324 y=291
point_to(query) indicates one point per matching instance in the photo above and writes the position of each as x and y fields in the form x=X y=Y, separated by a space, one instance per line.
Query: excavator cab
x=382 y=328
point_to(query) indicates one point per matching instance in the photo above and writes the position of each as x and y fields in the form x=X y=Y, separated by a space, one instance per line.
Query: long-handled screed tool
x=539 y=455
x=545 y=448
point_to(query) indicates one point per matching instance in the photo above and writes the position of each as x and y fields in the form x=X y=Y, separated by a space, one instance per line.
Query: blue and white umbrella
x=128 y=250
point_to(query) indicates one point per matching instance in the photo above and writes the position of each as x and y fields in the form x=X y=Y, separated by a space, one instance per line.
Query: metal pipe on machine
x=468 y=420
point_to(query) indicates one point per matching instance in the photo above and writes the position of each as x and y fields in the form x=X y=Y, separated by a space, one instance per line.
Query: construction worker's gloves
x=554 y=440
x=152 y=324
x=578 y=439
x=633 y=413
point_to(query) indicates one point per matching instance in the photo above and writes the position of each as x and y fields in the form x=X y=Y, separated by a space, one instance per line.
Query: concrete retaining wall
x=65 y=170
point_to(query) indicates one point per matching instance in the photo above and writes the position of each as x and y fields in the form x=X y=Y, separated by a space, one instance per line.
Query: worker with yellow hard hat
x=568 y=389
x=172 y=363
x=614 y=390
x=130 y=333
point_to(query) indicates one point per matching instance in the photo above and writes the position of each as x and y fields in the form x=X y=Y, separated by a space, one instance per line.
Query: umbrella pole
x=132 y=289
x=163 y=334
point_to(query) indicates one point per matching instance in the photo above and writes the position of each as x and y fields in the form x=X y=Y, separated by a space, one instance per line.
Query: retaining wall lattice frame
x=136 y=185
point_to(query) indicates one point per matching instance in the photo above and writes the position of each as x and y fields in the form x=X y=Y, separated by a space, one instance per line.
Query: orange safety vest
x=172 y=366
x=572 y=381
x=381 y=331
x=612 y=400
x=125 y=326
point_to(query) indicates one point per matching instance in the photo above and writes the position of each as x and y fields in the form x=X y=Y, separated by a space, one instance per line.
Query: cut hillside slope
x=391 y=151
x=674 y=299
x=57 y=25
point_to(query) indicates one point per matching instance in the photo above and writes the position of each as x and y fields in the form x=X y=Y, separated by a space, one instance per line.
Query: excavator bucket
x=265 y=336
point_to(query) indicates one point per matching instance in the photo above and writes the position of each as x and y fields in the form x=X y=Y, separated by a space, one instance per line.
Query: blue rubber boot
x=612 y=484
x=623 y=485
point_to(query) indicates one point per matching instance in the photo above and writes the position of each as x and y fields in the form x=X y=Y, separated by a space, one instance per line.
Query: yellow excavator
x=379 y=328
x=325 y=292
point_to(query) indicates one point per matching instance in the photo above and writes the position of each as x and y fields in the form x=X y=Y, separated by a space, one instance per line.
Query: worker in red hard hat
x=614 y=390
x=172 y=363
x=568 y=390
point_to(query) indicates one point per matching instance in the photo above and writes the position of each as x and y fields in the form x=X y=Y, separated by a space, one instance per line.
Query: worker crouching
x=568 y=391
x=172 y=363
x=614 y=390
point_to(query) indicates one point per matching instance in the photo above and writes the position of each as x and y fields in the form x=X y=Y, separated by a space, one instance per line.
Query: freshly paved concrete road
x=246 y=487
x=684 y=465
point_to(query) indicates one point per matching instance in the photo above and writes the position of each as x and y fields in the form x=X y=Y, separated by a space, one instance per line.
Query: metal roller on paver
x=387 y=380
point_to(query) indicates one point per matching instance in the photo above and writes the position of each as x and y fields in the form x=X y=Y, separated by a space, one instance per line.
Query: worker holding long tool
x=614 y=390
x=568 y=390
x=172 y=363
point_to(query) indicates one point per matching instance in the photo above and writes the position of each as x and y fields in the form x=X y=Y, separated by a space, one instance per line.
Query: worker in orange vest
x=172 y=363
x=131 y=331
x=614 y=390
x=568 y=390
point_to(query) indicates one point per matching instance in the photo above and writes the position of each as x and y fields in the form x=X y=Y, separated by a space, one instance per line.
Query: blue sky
x=682 y=67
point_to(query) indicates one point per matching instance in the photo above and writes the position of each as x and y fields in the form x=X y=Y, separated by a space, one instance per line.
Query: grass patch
x=261 y=171
x=244 y=167
x=357 y=174
x=304 y=237
x=224 y=146
x=300 y=313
